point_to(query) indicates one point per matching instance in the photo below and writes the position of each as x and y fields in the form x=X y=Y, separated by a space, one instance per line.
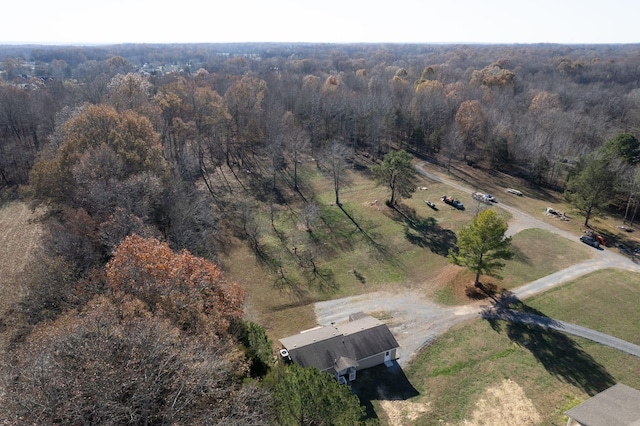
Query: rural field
x=476 y=371
x=393 y=253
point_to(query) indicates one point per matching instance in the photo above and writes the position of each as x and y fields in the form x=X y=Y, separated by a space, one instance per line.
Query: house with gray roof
x=343 y=349
x=618 y=405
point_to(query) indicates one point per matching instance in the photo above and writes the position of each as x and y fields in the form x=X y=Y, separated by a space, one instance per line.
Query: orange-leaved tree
x=101 y=151
x=471 y=125
x=189 y=290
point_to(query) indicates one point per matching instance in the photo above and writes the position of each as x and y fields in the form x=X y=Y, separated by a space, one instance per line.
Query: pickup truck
x=453 y=202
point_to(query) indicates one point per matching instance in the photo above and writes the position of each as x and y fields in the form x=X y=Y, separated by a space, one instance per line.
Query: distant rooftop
x=619 y=405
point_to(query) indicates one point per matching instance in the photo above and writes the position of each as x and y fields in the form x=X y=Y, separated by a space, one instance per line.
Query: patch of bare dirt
x=401 y=413
x=461 y=281
x=453 y=277
x=504 y=405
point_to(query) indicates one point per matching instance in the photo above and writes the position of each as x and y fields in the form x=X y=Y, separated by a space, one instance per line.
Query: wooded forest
x=147 y=159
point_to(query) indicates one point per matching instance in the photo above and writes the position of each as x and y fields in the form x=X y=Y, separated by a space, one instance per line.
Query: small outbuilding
x=619 y=405
x=343 y=349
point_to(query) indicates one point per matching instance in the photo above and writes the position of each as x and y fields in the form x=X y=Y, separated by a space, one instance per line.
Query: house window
x=352 y=374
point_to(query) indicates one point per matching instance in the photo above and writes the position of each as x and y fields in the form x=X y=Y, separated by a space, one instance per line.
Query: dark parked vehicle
x=624 y=249
x=453 y=202
x=590 y=241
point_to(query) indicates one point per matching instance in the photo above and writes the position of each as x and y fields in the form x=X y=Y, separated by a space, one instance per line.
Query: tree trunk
x=626 y=211
x=635 y=209
x=477 y=282
x=587 y=216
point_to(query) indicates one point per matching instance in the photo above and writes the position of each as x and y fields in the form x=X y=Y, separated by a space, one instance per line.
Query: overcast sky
x=331 y=21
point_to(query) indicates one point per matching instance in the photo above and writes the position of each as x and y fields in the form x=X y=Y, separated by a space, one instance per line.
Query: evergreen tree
x=482 y=245
x=398 y=174
x=307 y=396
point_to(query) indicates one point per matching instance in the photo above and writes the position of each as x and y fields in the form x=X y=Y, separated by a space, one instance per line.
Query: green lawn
x=539 y=253
x=362 y=247
x=605 y=300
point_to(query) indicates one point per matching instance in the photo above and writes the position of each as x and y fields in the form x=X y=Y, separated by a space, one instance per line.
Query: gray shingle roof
x=322 y=347
x=619 y=405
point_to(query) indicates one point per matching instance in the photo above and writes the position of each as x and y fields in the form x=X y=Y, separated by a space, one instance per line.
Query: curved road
x=416 y=321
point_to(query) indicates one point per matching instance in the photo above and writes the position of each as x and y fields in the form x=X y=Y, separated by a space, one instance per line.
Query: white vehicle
x=485 y=198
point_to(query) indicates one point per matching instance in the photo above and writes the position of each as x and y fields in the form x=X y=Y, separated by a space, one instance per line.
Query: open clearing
x=449 y=384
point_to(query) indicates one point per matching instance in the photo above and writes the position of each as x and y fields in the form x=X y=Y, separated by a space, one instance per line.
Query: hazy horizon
x=75 y=22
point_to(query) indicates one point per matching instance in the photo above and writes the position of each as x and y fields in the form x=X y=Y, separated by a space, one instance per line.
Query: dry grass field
x=19 y=240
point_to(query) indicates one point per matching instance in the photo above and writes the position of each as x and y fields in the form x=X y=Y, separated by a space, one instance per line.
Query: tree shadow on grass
x=520 y=257
x=335 y=229
x=425 y=232
x=382 y=383
x=557 y=352
x=370 y=237
x=480 y=292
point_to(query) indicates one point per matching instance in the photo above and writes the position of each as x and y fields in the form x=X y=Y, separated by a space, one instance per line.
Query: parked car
x=625 y=228
x=624 y=249
x=485 y=198
x=590 y=241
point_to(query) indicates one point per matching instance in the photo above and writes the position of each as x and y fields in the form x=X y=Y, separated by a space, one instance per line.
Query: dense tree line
x=150 y=159
x=526 y=109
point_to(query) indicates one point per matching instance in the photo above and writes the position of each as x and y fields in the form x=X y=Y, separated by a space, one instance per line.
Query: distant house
x=619 y=405
x=341 y=350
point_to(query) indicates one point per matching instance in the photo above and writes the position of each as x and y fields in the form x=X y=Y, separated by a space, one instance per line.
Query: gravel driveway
x=416 y=321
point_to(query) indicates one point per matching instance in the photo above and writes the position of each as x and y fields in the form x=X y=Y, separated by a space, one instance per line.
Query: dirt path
x=416 y=321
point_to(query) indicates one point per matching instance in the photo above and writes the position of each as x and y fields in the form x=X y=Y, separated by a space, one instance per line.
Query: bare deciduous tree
x=335 y=156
